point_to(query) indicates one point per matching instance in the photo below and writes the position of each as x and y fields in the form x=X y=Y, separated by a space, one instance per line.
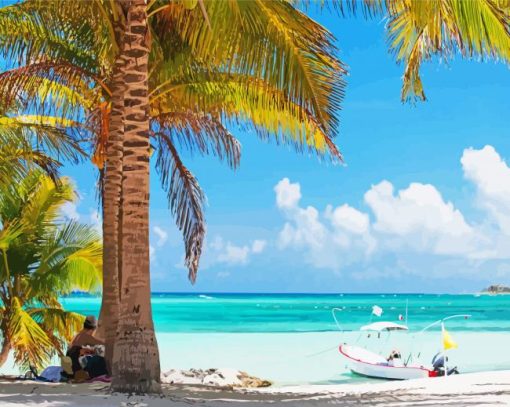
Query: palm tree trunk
x=136 y=357
x=4 y=351
x=109 y=315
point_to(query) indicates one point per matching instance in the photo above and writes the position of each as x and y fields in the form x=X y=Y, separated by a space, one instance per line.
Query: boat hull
x=366 y=363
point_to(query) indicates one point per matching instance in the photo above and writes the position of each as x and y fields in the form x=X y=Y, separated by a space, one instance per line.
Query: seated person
x=83 y=345
x=438 y=363
x=395 y=358
x=86 y=336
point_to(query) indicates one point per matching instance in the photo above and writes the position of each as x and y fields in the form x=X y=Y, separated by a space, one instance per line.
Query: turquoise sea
x=293 y=339
x=290 y=313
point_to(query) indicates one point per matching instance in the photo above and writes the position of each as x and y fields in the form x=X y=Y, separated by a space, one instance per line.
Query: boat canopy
x=384 y=326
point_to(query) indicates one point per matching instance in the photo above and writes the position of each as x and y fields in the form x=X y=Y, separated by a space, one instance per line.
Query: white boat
x=365 y=363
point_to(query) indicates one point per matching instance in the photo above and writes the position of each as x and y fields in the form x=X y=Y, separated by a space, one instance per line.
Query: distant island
x=497 y=289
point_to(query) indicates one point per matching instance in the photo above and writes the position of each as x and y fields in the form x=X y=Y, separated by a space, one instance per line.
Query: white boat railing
x=433 y=324
x=334 y=317
x=439 y=321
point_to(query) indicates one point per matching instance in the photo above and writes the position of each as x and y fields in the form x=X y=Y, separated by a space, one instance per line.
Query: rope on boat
x=333 y=347
x=321 y=352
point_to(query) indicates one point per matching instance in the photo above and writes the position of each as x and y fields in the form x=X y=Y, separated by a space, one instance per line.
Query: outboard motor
x=438 y=363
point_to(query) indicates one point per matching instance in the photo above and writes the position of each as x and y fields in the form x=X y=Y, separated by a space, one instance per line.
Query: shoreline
x=297 y=359
x=483 y=388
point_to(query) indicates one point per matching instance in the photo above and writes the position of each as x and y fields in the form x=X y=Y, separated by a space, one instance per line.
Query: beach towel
x=102 y=379
x=52 y=374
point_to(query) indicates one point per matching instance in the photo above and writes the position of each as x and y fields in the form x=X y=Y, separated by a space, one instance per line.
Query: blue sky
x=285 y=222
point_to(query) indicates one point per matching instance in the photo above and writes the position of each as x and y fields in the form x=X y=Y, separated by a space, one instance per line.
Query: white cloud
x=491 y=176
x=258 y=246
x=217 y=243
x=161 y=234
x=95 y=220
x=418 y=207
x=152 y=252
x=348 y=218
x=69 y=211
x=287 y=194
x=219 y=251
x=419 y=217
x=322 y=235
x=414 y=221
x=234 y=254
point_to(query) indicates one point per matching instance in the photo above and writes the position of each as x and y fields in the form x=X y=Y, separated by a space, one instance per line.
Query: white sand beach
x=474 y=389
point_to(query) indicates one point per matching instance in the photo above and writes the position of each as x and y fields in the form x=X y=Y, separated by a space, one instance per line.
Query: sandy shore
x=475 y=389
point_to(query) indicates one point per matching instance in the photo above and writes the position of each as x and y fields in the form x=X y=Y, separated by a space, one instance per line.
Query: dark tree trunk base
x=136 y=363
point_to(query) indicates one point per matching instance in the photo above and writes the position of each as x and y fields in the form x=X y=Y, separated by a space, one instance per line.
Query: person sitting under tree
x=86 y=352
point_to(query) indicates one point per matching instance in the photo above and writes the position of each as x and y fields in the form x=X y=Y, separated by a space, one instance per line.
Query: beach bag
x=81 y=376
x=67 y=366
x=96 y=366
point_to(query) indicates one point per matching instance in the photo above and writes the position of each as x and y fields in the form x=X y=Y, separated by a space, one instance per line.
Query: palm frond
x=46 y=79
x=200 y=133
x=30 y=343
x=70 y=260
x=480 y=28
x=16 y=161
x=57 y=321
x=55 y=136
x=419 y=30
x=41 y=201
x=10 y=232
x=271 y=41
x=186 y=201
x=369 y=8
x=80 y=32
x=29 y=34
x=236 y=99
x=84 y=267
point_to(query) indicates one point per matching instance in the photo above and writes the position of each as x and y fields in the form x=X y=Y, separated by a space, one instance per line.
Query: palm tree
x=43 y=258
x=222 y=96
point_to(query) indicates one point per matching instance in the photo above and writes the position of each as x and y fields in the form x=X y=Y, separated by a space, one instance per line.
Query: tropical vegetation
x=191 y=103
x=43 y=257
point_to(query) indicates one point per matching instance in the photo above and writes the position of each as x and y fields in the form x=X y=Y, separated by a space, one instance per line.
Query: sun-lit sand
x=474 y=389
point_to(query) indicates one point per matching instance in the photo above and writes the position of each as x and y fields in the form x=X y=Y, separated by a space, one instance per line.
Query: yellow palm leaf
x=419 y=30
x=30 y=343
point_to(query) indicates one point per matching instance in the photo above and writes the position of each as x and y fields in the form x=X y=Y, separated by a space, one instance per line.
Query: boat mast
x=444 y=350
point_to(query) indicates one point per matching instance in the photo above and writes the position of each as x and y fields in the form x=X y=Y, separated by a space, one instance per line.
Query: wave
x=205 y=297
